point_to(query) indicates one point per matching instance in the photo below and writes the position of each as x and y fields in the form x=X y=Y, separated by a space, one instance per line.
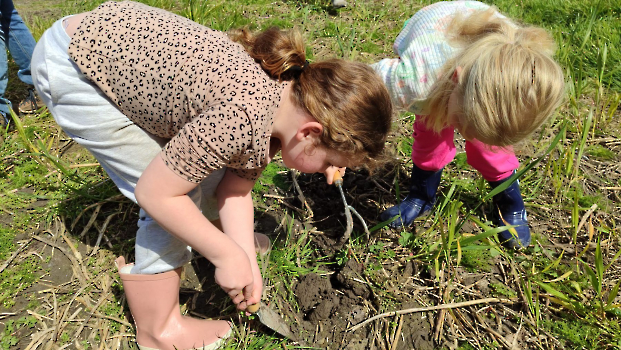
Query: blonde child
x=464 y=66
x=183 y=118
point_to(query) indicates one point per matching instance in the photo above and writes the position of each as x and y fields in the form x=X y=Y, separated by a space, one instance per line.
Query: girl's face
x=299 y=136
x=308 y=158
x=455 y=115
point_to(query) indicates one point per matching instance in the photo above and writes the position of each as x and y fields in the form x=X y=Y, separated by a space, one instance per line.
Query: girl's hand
x=330 y=173
x=257 y=288
x=236 y=277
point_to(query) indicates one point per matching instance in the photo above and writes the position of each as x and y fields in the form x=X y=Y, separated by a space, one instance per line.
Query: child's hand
x=257 y=290
x=330 y=173
x=236 y=277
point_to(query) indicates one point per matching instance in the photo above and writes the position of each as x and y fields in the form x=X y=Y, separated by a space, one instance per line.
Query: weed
x=576 y=334
x=9 y=338
x=408 y=240
x=380 y=252
x=502 y=290
x=601 y=152
x=295 y=257
x=341 y=257
x=477 y=259
x=6 y=243
x=273 y=175
x=16 y=280
x=404 y=146
x=461 y=160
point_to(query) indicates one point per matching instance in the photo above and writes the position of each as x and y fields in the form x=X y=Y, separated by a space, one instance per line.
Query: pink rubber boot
x=154 y=303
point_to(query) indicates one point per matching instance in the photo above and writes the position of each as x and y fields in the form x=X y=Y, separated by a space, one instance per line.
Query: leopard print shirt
x=180 y=80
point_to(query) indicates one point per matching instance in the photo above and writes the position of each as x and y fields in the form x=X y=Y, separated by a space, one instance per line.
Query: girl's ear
x=309 y=130
x=456 y=74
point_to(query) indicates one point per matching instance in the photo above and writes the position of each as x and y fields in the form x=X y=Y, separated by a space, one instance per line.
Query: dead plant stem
x=15 y=254
x=398 y=333
x=429 y=308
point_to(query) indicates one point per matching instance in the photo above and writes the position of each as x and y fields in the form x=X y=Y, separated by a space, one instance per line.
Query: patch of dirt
x=331 y=306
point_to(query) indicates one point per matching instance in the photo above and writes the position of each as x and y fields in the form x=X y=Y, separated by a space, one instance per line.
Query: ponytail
x=464 y=31
x=281 y=54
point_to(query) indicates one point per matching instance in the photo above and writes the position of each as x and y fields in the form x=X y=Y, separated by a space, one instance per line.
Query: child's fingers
x=236 y=296
x=331 y=171
x=245 y=298
x=243 y=305
x=254 y=298
x=248 y=292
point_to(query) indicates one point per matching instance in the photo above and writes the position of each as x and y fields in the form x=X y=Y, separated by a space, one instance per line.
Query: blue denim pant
x=16 y=37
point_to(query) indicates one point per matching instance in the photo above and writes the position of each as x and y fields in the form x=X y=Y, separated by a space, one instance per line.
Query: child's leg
x=430 y=153
x=209 y=202
x=496 y=165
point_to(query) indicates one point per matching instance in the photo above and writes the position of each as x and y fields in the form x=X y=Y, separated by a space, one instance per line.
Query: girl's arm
x=162 y=194
x=236 y=211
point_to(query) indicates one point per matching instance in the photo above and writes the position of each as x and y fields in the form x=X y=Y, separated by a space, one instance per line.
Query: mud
x=331 y=303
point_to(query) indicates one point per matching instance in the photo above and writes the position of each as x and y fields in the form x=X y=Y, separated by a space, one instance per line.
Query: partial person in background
x=462 y=65
x=17 y=39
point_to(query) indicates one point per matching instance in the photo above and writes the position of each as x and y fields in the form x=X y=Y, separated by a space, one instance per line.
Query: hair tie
x=297 y=70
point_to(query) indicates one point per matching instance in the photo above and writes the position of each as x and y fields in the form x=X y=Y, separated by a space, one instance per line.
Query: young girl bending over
x=184 y=119
x=464 y=66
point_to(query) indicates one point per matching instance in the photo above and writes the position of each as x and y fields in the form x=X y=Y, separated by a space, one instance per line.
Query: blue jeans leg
x=16 y=37
x=21 y=43
x=5 y=104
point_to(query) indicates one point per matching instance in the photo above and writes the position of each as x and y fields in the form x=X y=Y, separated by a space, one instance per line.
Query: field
x=444 y=283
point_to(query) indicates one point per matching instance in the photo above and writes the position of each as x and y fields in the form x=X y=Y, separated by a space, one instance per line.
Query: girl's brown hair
x=509 y=83
x=348 y=98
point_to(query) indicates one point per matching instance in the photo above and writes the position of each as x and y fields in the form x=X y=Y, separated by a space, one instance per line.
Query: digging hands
x=257 y=288
x=240 y=277
x=236 y=277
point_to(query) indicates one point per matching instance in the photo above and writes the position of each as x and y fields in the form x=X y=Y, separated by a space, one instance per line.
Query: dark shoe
x=509 y=210
x=30 y=104
x=4 y=121
x=421 y=199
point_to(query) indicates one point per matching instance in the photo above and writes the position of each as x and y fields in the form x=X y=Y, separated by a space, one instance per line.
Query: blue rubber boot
x=421 y=198
x=509 y=210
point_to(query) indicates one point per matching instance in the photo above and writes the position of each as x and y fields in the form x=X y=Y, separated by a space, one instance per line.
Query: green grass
x=8 y=338
x=570 y=292
x=17 y=280
x=273 y=175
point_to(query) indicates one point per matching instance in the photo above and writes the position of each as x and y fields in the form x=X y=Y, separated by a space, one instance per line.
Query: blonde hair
x=509 y=82
x=347 y=98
